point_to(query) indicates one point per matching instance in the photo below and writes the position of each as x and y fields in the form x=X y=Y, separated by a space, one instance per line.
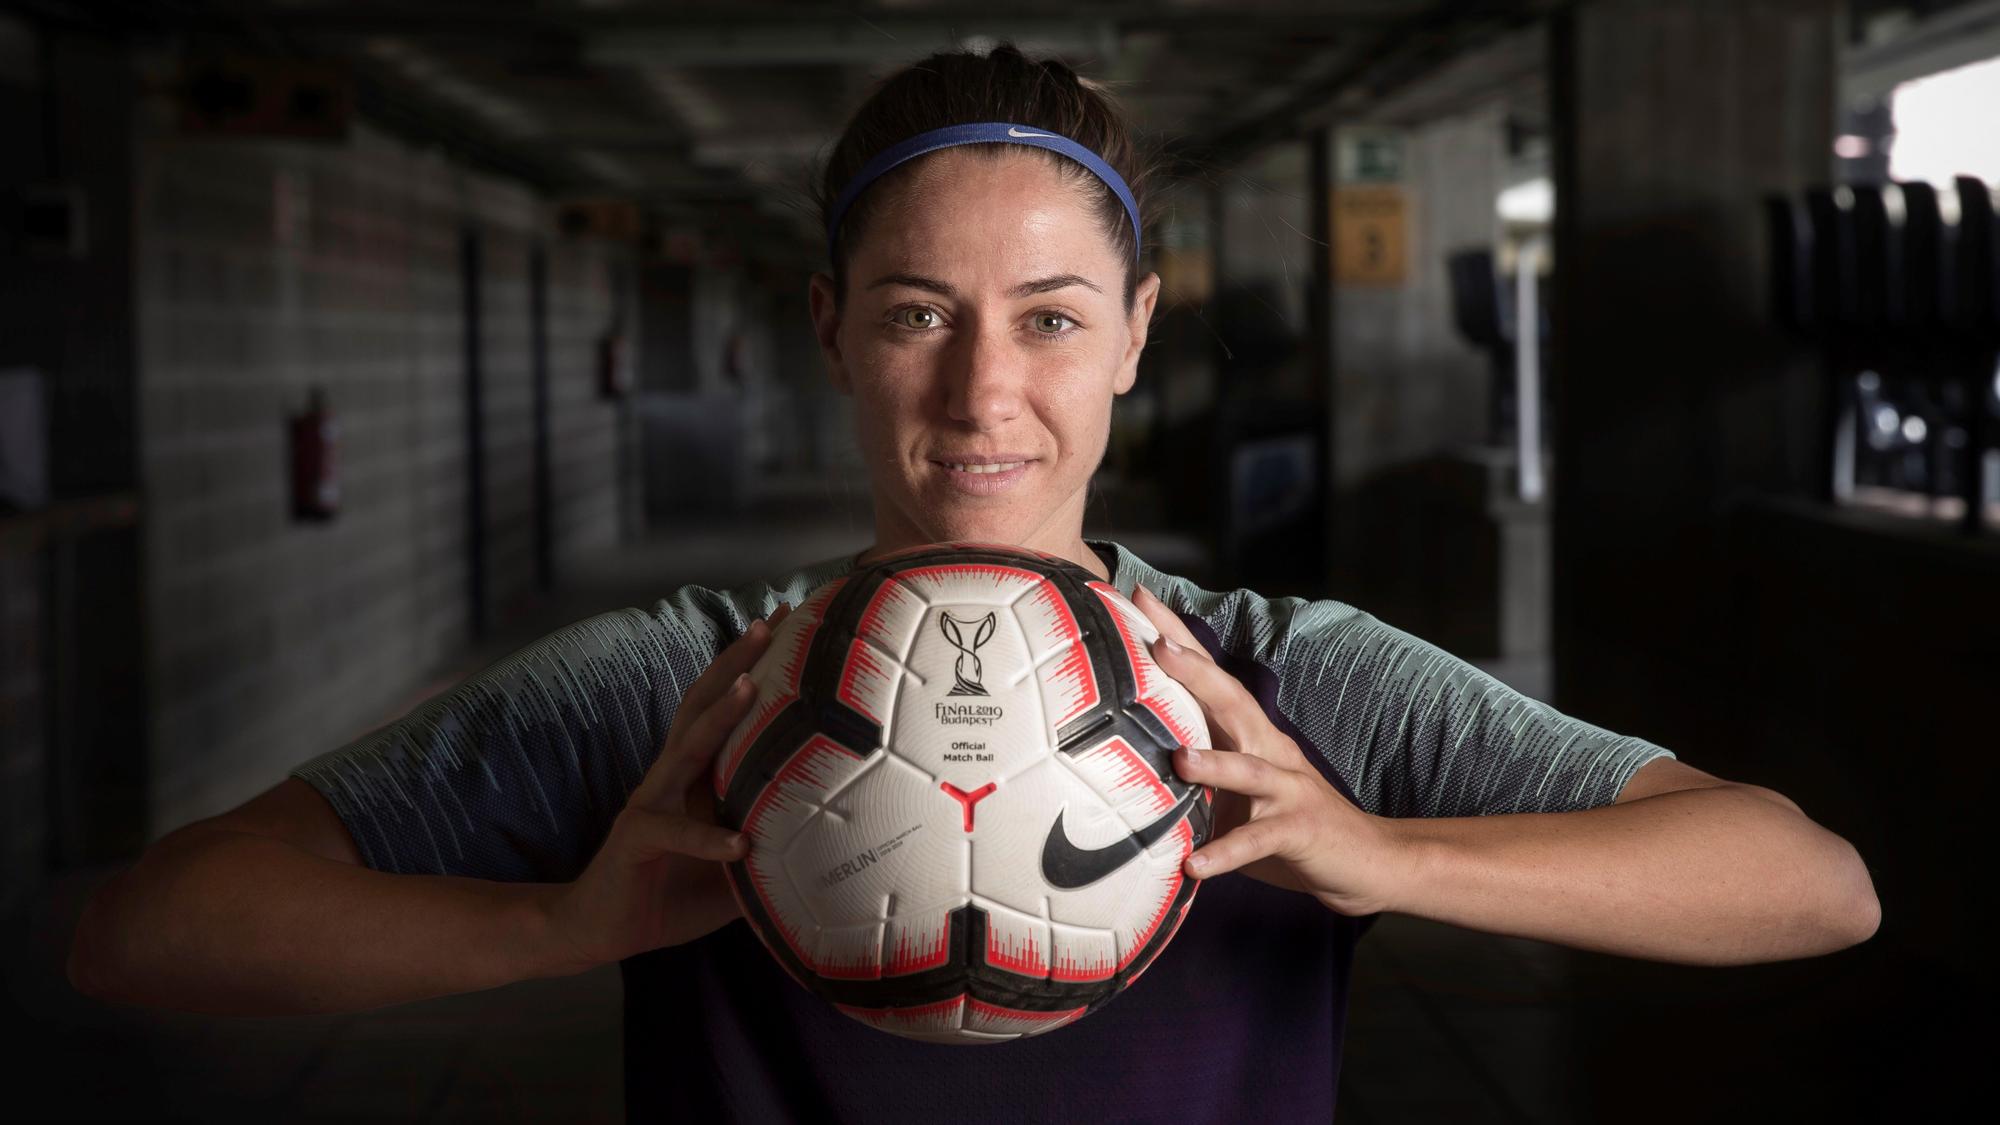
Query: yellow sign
x=1370 y=235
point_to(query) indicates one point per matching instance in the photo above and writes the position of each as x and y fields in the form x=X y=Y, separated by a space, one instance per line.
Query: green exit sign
x=1371 y=156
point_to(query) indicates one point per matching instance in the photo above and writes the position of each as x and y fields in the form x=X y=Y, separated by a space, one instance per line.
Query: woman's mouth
x=985 y=476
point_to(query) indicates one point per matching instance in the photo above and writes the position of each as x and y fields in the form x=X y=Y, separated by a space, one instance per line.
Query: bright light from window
x=1530 y=202
x=1945 y=126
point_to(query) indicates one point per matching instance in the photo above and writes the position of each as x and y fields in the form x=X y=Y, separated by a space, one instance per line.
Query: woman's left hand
x=1277 y=819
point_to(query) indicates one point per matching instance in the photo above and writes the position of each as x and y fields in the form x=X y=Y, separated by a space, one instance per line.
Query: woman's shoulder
x=1246 y=622
x=707 y=617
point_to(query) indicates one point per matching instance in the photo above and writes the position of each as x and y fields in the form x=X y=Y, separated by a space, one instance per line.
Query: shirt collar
x=1127 y=571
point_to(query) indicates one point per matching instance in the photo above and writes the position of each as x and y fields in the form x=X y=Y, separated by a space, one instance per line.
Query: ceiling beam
x=846 y=42
x=1274 y=18
x=1428 y=39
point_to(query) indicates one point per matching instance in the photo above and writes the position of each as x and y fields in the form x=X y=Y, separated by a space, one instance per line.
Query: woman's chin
x=977 y=533
x=991 y=526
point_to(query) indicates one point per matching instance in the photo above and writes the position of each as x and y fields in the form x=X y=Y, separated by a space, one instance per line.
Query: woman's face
x=983 y=340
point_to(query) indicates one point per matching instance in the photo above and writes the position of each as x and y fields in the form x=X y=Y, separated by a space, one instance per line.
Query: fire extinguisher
x=315 y=466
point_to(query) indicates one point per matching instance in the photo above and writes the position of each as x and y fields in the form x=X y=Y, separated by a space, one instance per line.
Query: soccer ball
x=964 y=822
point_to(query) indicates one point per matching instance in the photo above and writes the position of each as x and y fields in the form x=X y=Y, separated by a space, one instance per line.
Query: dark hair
x=960 y=87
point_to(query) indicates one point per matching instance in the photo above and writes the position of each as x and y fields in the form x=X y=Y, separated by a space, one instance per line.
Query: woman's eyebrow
x=1025 y=289
x=1048 y=284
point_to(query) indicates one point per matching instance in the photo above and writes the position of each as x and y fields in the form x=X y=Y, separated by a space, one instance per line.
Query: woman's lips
x=985 y=476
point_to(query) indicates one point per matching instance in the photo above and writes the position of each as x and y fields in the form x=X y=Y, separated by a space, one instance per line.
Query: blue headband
x=981 y=132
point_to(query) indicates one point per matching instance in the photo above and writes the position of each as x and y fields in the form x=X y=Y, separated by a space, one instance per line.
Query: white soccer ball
x=956 y=779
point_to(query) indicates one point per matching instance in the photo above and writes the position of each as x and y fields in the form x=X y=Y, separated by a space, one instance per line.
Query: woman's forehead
x=1010 y=214
x=986 y=161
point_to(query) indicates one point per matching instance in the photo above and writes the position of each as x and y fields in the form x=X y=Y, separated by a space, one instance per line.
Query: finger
x=728 y=664
x=1165 y=619
x=652 y=834
x=1238 y=773
x=692 y=745
x=701 y=801
x=1229 y=708
x=784 y=611
x=710 y=729
x=1247 y=844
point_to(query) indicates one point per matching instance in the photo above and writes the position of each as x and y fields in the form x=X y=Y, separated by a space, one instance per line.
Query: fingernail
x=1193 y=756
x=1172 y=645
x=742 y=681
x=1198 y=862
x=736 y=841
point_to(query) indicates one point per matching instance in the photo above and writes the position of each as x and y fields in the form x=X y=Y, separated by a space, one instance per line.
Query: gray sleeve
x=1416 y=731
x=516 y=773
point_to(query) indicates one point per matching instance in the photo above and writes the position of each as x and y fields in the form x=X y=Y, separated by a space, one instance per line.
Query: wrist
x=1409 y=860
x=552 y=951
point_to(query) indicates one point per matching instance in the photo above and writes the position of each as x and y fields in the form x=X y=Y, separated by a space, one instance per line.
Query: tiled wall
x=265 y=267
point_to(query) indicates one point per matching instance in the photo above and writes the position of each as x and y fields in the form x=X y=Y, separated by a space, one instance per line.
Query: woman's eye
x=917 y=318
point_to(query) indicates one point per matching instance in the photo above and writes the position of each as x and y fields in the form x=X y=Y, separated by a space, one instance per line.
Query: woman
x=984 y=306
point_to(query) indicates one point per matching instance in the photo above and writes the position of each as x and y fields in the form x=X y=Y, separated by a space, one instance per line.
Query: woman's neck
x=1072 y=547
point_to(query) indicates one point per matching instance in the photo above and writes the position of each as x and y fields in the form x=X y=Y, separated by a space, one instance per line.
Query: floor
x=1445 y=1024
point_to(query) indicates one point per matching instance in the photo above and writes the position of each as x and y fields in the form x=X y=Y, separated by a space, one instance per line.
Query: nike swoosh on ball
x=1067 y=866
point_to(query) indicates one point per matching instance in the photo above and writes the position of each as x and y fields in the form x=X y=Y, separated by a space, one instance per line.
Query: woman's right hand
x=658 y=879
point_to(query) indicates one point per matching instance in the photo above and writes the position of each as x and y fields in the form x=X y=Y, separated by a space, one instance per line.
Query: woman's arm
x=268 y=910
x=223 y=920
x=1683 y=867
x=1718 y=874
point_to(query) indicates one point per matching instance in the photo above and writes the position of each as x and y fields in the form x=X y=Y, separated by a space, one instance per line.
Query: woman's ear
x=1141 y=319
x=826 y=328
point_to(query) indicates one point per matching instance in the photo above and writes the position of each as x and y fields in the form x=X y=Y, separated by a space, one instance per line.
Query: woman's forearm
x=1710 y=876
x=230 y=923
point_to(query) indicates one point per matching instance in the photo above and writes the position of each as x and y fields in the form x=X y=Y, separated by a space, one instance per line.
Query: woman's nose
x=985 y=383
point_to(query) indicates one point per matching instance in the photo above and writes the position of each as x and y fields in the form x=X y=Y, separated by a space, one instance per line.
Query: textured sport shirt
x=517 y=773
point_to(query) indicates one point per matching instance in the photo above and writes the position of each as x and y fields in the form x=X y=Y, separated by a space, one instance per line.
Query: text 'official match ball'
x=964 y=821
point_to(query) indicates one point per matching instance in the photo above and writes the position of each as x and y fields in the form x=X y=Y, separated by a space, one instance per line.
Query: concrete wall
x=1267 y=245
x=1416 y=534
x=71 y=758
x=23 y=740
x=1845 y=661
x=764 y=428
x=592 y=458
x=1408 y=385
x=1677 y=119
x=264 y=267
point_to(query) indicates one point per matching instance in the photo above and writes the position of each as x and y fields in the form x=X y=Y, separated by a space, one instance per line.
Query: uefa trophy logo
x=954 y=631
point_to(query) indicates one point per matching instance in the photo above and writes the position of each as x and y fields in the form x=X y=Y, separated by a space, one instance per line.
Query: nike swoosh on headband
x=1067 y=866
x=1013 y=132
